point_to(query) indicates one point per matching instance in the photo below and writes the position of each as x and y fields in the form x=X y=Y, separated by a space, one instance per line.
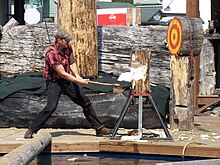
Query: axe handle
x=106 y=84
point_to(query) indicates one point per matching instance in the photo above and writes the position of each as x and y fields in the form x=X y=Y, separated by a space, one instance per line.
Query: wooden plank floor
x=203 y=141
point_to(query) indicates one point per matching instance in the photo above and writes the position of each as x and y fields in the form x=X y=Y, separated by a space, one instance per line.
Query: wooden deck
x=203 y=141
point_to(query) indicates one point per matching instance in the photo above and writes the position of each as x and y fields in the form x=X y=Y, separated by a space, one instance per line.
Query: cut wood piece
x=140 y=64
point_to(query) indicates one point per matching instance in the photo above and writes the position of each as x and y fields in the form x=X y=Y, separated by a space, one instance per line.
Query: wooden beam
x=192 y=8
x=192 y=11
x=160 y=149
x=200 y=110
x=73 y=147
x=207 y=99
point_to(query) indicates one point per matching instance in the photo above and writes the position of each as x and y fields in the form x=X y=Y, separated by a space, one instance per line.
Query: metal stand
x=140 y=107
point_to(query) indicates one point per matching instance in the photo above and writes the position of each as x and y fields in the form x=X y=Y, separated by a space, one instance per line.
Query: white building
x=179 y=6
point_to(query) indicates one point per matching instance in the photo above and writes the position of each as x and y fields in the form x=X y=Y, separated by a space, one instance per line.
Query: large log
x=68 y=115
x=181 y=107
x=133 y=16
x=25 y=153
x=185 y=36
x=79 y=18
x=193 y=35
x=116 y=45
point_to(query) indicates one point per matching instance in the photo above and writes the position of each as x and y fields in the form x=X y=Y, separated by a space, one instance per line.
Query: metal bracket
x=140 y=131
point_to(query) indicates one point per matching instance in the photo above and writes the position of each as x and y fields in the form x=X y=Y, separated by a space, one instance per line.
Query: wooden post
x=181 y=108
x=79 y=19
x=185 y=75
x=188 y=43
x=192 y=11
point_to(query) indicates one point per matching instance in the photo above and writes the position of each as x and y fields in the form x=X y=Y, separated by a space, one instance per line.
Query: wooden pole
x=79 y=19
x=192 y=11
x=25 y=153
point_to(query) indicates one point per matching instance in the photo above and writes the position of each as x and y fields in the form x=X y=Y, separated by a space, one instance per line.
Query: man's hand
x=83 y=81
x=61 y=71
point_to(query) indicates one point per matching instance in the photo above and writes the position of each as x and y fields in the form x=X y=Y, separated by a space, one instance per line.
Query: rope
x=44 y=20
x=186 y=145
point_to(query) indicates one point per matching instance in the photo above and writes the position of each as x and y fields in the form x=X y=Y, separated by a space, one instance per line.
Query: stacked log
x=116 y=45
x=22 y=49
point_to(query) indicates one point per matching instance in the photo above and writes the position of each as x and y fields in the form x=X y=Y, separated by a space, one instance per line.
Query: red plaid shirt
x=55 y=57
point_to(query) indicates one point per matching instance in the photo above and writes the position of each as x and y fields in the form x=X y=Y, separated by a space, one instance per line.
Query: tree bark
x=141 y=59
x=79 y=19
x=25 y=153
x=192 y=34
x=181 y=108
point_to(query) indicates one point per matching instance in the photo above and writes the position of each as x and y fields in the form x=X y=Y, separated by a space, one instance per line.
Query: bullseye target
x=174 y=36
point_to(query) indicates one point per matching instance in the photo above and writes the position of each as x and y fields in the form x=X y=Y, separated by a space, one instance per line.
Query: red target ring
x=174 y=36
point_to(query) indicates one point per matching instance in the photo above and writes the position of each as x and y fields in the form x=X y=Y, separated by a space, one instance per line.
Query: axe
x=105 y=84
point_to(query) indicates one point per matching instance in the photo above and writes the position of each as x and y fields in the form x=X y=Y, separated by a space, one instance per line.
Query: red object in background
x=112 y=19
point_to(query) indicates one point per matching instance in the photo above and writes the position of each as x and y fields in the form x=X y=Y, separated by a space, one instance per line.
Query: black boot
x=28 y=134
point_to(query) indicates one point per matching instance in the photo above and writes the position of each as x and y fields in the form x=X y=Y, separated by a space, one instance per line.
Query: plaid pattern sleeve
x=51 y=58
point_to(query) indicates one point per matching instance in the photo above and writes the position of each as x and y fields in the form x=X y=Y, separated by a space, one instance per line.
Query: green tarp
x=31 y=83
x=34 y=84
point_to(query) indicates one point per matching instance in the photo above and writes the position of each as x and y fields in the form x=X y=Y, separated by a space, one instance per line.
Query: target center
x=174 y=36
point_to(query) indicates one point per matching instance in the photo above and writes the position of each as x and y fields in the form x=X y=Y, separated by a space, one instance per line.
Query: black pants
x=55 y=88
